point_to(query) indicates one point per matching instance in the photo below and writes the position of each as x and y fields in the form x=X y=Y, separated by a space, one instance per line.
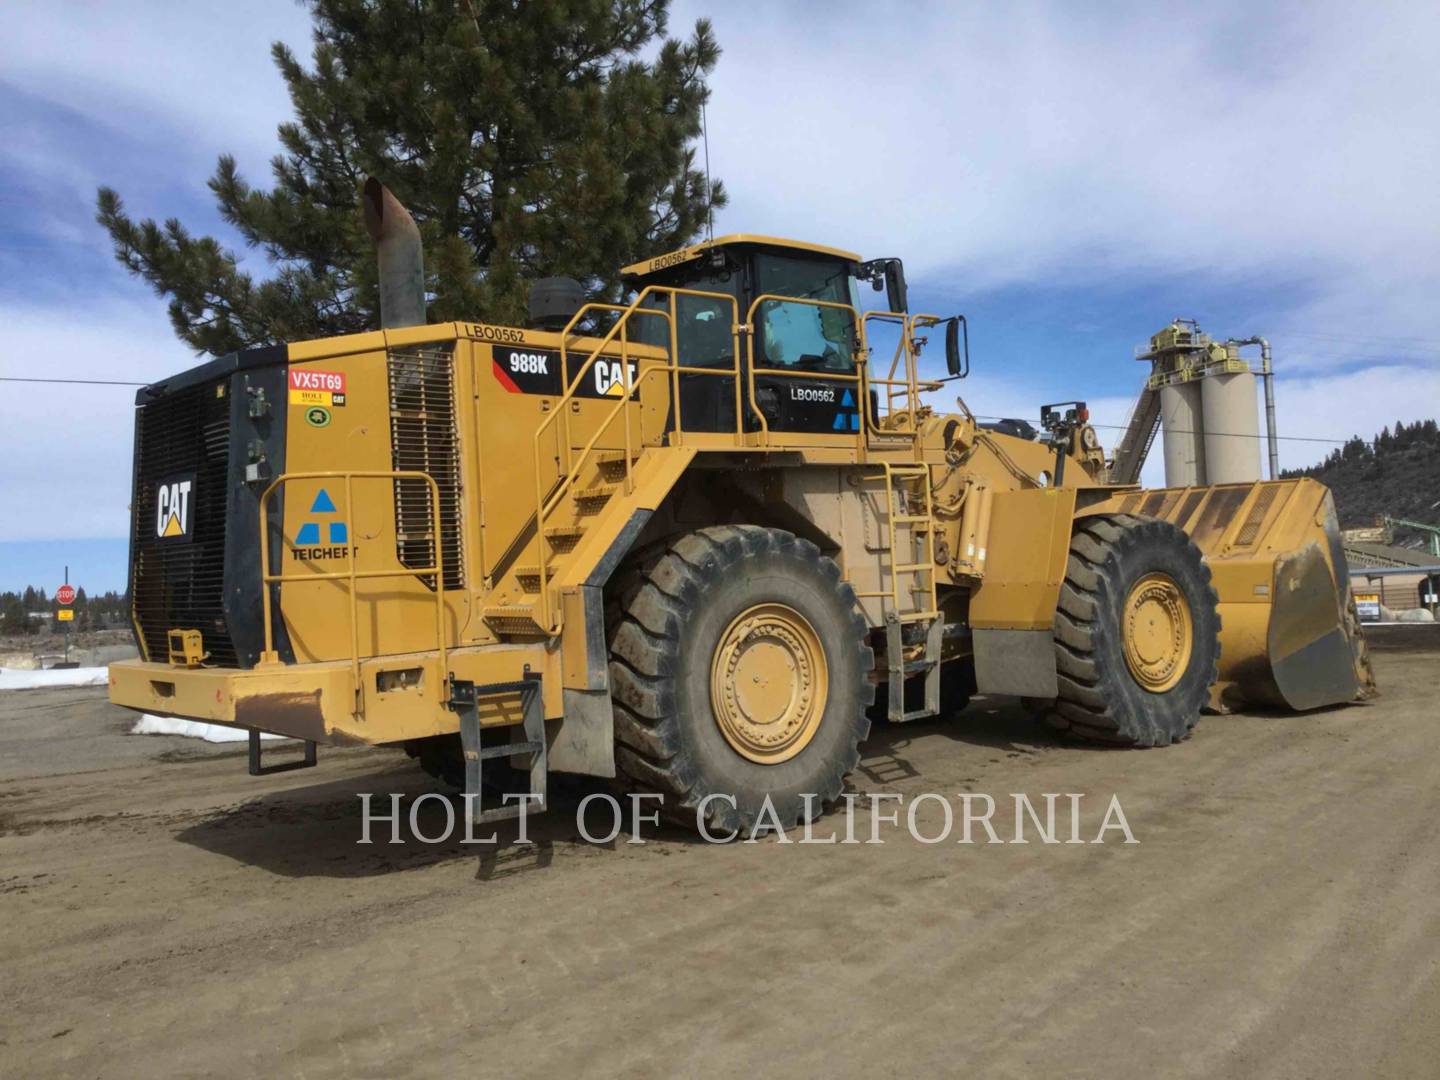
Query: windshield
x=805 y=335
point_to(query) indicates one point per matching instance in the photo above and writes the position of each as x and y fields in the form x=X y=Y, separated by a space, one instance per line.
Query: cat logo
x=610 y=378
x=172 y=507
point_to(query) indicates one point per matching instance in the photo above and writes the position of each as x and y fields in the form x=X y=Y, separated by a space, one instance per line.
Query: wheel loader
x=696 y=542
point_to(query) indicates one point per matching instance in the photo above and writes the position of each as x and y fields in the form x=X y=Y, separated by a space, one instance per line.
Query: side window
x=703 y=325
x=807 y=336
x=703 y=332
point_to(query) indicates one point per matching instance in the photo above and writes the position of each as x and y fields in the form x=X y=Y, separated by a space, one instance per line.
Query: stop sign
x=65 y=594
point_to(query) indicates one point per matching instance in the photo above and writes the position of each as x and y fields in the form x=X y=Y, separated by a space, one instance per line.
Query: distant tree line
x=1395 y=474
x=1422 y=434
x=17 y=610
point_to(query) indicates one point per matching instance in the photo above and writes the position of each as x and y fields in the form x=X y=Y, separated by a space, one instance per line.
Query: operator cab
x=802 y=301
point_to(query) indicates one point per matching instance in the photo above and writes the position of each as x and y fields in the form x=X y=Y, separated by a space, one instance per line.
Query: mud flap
x=1311 y=657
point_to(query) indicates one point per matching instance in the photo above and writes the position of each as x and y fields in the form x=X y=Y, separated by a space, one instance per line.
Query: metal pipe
x=1272 y=440
x=1267 y=376
x=399 y=254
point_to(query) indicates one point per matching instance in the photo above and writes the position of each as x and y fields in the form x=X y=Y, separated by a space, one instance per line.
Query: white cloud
x=195 y=79
x=1292 y=146
x=67 y=449
x=1292 y=151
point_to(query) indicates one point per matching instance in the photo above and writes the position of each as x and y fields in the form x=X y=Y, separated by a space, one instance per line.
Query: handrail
x=860 y=349
x=352 y=575
x=570 y=472
x=572 y=463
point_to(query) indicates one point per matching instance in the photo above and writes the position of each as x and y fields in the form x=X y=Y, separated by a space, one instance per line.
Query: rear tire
x=769 y=609
x=1137 y=642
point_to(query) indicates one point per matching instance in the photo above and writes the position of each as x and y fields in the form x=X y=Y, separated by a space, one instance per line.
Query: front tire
x=1137 y=643
x=740 y=668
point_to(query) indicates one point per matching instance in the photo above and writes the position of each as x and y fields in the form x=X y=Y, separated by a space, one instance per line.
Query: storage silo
x=1183 y=433
x=1232 y=427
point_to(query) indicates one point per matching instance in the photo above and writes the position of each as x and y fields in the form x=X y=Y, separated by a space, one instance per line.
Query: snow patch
x=15 y=679
x=193 y=729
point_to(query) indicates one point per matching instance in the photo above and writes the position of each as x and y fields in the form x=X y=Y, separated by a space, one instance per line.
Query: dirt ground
x=163 y=913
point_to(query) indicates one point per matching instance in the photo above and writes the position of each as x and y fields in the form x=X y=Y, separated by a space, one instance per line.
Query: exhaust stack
x=399 y=254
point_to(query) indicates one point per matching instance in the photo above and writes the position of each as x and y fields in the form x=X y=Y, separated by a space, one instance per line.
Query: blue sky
x=1069 y=176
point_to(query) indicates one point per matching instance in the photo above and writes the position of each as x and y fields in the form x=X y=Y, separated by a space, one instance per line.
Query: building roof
x=1375 y=555
x=694 y=251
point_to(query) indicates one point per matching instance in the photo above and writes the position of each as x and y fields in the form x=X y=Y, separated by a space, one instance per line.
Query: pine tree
x=526 y=139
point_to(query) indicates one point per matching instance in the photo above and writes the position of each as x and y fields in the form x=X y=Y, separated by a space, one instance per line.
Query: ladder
x=465 y=700
x=906 y=485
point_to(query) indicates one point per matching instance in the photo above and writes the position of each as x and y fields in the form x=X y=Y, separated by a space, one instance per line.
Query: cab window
x=703 y=325
x=805 y=336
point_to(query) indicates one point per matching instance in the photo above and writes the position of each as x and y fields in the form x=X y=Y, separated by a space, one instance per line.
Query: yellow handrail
x=352 y=575
x=858 y=378
x=572 y=466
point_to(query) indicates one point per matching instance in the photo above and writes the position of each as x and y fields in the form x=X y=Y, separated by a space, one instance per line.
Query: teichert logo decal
x=308 y=545
x=173 y=499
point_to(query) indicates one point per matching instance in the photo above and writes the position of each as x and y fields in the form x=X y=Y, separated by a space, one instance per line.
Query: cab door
x=806 y=346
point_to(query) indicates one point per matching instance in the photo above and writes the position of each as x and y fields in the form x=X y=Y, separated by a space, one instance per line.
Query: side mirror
x=895 y=292
x=957 y=347
x=887 y=274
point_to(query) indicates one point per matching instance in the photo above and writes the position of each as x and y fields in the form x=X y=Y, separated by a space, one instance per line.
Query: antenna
x=709 y=195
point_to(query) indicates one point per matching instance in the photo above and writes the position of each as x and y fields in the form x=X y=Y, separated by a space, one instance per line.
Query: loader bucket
x=1289 y=633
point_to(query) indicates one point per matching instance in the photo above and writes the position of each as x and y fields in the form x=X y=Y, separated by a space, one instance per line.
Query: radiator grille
x=423 y=439
x=179 y=583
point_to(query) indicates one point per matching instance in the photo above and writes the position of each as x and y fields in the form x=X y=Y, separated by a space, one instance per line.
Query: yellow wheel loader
x=694 y=542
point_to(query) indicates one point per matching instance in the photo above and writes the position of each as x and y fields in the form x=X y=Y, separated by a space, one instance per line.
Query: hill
x=1397 y=473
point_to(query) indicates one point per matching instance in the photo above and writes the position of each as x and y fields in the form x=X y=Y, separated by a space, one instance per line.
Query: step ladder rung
x=913 y=666
x=595 y=492
x=912 y=518
x=513 y=749
x=912 y=567
x=464 y=700
x=512 y=618
x=918 y=714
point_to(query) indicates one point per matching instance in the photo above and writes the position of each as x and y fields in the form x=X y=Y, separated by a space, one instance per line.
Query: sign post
x=65 y=595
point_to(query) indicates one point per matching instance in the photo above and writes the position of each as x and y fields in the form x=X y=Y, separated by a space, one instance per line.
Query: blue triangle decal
x=322 y=503
x=840 y=422
x=847 y=399
x=309 y=535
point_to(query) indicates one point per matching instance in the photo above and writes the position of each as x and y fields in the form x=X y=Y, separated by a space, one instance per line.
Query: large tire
x=1136 y=590
x=671 y=636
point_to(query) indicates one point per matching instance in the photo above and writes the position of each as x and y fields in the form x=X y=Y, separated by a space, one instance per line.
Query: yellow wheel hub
x=1158 y=632
x=769 y=683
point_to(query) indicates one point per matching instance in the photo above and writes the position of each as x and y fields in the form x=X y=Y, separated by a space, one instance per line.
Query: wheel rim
x=769 y=683
x=1158 y=632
